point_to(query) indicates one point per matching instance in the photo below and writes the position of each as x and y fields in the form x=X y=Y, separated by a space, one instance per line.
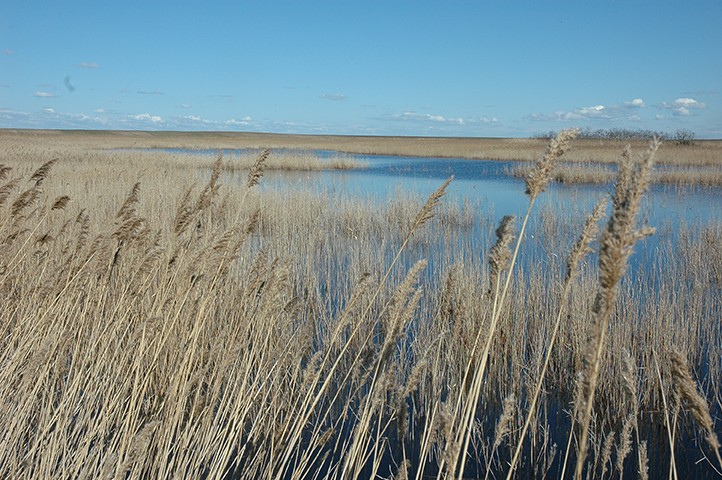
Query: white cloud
x=44 y=95
x=410 y=115
x=146 y=117
x=194 y=121
x=660 y=117
x=185 y=106
x=682 y=106
x=636 y=103
x=87 y=65
x=333 y=96
x=625 y=111
x=48 y=110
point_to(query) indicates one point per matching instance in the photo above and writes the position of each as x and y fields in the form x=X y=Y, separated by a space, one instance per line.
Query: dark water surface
x=486 y=181
x=489 y=184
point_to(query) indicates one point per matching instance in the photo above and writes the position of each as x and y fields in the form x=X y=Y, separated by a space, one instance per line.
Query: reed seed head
x=500 y=253
x=581 y=247
x=686 y=388
x=540 y=175
x=427 y=212
x=254 y=177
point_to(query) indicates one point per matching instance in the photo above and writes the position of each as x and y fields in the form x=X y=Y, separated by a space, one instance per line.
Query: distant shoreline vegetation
x=594 y=146
x=681 y=136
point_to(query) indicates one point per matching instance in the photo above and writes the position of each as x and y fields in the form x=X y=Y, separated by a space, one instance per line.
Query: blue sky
x=481 y=68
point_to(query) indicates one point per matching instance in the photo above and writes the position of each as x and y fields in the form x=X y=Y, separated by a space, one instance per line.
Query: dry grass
x=579 y=173
x=701 y=152
x=194 y=326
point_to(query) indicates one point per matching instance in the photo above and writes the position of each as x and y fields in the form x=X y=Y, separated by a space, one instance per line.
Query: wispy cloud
x=44 y=95
x=194 y=121
x=9 y=52
x=125 y=90
x=87 y=65
x=184 y=105
x=147 y=118
x=143 y=92
x=5 y=85
x=102 y=119
x=333 y=96
x=411 y=116
x=225 y=96
x=625 y=111
x=682 y=106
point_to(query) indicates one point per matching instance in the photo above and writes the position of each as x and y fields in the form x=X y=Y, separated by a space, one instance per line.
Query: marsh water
x=485 y=181
x=489 y=186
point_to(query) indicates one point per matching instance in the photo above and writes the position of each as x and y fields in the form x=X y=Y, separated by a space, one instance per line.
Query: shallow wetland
x=191 y=313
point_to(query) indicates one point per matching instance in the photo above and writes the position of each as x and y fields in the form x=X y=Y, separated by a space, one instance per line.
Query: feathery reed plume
x=503 y=427
x=616 y=244
x=536 y=183
x=128 y=210
x=433 y=201
x=254 y=177
x=540 y=175
x=184 y=212
x=7 y=189
x=629 y=375
x=42 y=172
x=580 y=248
x=500 y=254
x=686 y=389
x=60 y=203
x=211 y=189
x=4 y=170
x=625 y=444
x=643 y=471
x=24 y=200
x=606 y=452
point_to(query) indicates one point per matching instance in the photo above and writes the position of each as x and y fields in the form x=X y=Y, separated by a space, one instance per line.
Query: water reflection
x=481 y=180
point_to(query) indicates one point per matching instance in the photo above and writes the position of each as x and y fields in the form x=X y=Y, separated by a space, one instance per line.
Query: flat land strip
x=700 y=153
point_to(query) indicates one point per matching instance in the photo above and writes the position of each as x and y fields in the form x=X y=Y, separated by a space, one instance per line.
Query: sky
x=421 y=68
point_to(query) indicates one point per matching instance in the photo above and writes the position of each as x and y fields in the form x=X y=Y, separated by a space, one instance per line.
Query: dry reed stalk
x=616 y=245
x=500 y=254
x=536 y=183
x=686 y=389
x=579 y=250
x=670 y=435
x=503 y=428
x=311 y=401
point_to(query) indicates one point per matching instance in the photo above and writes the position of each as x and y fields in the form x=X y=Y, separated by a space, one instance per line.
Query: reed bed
x=586 y=150
x=159 y=322
x=580 y=173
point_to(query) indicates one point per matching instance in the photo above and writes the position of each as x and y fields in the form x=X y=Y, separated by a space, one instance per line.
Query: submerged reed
x=152 y=329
